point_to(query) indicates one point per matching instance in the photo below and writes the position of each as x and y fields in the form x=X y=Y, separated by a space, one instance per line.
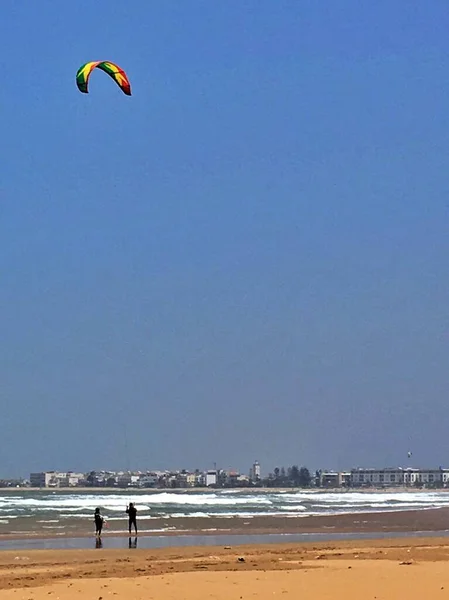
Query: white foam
x=49 y=507
x=48 y=521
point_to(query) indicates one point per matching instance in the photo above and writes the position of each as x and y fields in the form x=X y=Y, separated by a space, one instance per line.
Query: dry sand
x=387 y=569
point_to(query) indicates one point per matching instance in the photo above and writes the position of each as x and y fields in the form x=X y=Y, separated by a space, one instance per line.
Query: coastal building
x=54 y=479
x=329 y=479
x=242 y=481
x=222 y=478
x=377 y=477
x=74 y=479
x=149 y=480
x=211 y=478
x=438 y=477
x=191 y=479
x=232 y=478
x=254 y=472
x=185 y=479
x=128 y=479
x=399 y=476
x=344 y=478
x=334 y=479
x=39 y=480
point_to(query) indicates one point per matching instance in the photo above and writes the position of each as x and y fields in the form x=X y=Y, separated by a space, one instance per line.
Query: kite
x=113 y=70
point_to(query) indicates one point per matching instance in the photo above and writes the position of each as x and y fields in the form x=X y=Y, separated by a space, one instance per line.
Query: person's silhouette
x=99 y=522
x=131 y=511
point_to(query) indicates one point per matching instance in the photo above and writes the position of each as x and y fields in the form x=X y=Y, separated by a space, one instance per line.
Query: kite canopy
x=113 y=70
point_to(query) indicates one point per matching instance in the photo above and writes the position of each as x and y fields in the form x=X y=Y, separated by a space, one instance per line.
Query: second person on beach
x=99 y=522
x=131 y=511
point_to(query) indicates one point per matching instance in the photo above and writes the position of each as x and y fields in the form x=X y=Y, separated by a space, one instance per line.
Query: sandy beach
x=407 y=567
x=384 y=569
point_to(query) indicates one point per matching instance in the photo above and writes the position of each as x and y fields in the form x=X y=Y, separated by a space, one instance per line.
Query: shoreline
x=202 y=542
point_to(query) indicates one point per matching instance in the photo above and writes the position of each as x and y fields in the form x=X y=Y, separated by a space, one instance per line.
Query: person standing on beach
x=99 y=521
x=131 y=511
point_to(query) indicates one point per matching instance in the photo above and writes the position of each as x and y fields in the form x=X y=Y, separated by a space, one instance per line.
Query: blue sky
x=246 y=259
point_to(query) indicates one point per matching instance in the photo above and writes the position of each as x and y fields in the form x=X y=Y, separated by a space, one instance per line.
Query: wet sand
x=384 y=569
x=430 y=520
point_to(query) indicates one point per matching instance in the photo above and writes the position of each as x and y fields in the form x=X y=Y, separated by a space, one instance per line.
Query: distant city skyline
x=291 y=477
x=254 y=475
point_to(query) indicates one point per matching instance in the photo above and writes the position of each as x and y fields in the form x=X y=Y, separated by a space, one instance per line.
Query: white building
x=53 y=479
x=426 y=476
x=398 y=476
x=254 y=472
x=149 y=480
x=211 y=478
x=73 y=479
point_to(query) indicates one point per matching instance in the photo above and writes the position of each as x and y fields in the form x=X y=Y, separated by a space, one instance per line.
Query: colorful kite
x=113 y=70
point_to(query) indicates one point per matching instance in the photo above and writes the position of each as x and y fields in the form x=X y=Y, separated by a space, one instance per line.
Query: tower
x=255 y=472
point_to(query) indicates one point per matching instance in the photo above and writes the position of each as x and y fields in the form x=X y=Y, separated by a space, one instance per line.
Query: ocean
x=52 y=512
